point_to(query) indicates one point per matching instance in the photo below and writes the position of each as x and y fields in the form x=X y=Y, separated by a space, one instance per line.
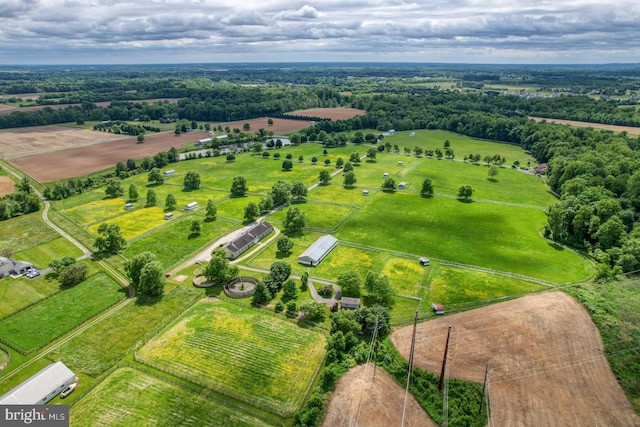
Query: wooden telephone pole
x=444 y=360
x=413 y=346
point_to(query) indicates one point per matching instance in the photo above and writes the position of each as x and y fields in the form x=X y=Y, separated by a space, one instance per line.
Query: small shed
x=437 y=308
x=402 y=185
x=191 y=206
x=349 y=303
x=128 y=205
x=424 y=260
x=203 y=142
x=412 y=134
x=168 y=215
x=365 y=192
x=169 y=172
x=385 y=175
x=399 y=163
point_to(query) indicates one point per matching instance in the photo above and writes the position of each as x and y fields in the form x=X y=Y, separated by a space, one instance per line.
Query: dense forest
x=596 y=174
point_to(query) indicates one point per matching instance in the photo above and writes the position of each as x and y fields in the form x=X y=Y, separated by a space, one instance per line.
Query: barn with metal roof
x=41 y=387
x=318 y=250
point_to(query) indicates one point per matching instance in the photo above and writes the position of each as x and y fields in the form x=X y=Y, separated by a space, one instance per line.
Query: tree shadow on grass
x=145 y=301
x=556 y=246
x=282 y=255
x=461 y=200
x=214 y=291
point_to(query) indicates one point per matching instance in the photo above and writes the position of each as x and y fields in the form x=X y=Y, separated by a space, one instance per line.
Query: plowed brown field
x=545 y=356
x=629 y=129
x=330 y=113
x=6 y=186
x=358 y=400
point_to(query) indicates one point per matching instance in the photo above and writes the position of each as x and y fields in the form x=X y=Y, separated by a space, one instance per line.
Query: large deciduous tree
x=379 y=289
x=152 y=280
x=285 y=244
x=427 y=188
x=155 y=176
x=389 y=184
x=218 y=269
x=170 y=202
x=109 y=238
x=192 y=181
x=134 y=266
x=152 y=198
x=324 y=177
x=239 y=186
x=211 y=212
x=350 y=283
x=114 y=188
x=294 y=221
x=298 y=190
x=280 y=193
x=73 y=274
x=465 y=192
x=350 y=179
x=251 y=212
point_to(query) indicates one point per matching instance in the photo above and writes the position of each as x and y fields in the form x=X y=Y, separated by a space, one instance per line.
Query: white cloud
x=282 y=30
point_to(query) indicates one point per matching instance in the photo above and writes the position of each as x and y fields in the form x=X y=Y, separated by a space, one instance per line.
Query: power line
x=413 y=346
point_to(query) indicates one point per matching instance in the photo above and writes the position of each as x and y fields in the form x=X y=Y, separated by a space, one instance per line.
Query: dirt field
x=80 y=161
x=360 y=401
x=6 y=186
x=629 y=129
x=545 y=356
x=39 y=139
x=330 y=113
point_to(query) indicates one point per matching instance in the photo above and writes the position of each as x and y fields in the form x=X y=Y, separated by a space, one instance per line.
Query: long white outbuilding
x=41 y=387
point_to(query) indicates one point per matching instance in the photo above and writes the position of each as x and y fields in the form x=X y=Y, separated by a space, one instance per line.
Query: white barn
x=41 y=387
x=318 y=250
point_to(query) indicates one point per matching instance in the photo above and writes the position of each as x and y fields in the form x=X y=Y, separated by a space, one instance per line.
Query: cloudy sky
x=174 y=31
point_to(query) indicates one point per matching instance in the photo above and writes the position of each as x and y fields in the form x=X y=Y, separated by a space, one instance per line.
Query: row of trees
x=22 y=201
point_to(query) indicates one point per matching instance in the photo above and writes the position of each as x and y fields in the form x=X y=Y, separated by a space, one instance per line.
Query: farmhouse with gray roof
x=251 y=237
x=9 y=266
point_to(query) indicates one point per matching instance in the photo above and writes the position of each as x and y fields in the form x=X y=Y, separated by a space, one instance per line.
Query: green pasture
x=407 y=276
x=340 y=259
x=336 y=193
x=37 y=325
x=262 y=360
x=460 y=144
x=322 y=215
x=24 y=232
x=130 y=397
x=174 y=242
x=41 y=255
x=138 y=222
x=510 y=185
x=98 y=348
x=233 y=207
x=488 y=235
x=453 y=285
x=18 y=293
x=99 y=210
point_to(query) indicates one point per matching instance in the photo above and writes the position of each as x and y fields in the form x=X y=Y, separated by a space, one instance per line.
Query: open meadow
x=131 y=397
x=41 y=323
x=264 y=361
x=99 y=348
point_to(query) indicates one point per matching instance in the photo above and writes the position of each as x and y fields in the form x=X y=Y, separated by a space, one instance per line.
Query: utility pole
x=444 y=360
x=413 y=346
x=484 y=387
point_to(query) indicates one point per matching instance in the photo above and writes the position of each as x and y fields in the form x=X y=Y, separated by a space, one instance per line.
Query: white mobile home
x=169 y=172
x=168 y=215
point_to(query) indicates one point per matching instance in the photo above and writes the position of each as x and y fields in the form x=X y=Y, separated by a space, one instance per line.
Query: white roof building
x=318 y=250
x=41 y=387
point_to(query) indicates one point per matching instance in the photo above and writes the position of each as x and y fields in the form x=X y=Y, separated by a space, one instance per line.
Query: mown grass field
x=18 y=293
x=37 y=325
x=97 y=349
x=325 y=216
x=174 y=242
x=129 y=397
x=41 y=255
x=264 y=361
x=24 y=232
x=452 y=285
x=483 y=234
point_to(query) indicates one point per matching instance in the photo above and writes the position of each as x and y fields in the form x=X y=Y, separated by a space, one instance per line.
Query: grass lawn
x=233 y=207
x=41 y=255
x=41 y=323
x=173 y=243
x=323 y=215
x=24 y=232
x=453 y=285
x=262 y=360
x=98 y=348
x=407 y=276
x=129 y=397
x=484 y=234
x=99 y=210
x=20 y=292
x=336 y=193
